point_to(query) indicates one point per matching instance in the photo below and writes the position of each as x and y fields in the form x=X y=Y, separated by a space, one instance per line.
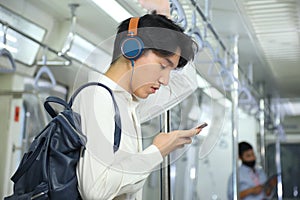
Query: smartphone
x=202 y=125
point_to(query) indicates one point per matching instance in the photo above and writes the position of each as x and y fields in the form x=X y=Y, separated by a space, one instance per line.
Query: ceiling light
x=270 y=10
x=89 y=54
x=9 y=37
x=269 y=5
x=193 y=173
x=9 y=48
x=291 y=108
x=260 y=2
x=113 y=9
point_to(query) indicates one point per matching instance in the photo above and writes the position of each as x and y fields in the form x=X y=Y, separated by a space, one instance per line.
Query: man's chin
x=141 y=97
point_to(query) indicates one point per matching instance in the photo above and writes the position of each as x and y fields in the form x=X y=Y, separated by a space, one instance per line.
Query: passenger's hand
x=161 y=6
x=270 y=186
x=168 y=142
x=273 y=182
x=257 y=189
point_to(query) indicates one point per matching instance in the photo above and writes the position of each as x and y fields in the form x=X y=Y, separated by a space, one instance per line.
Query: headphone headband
x=133 y=25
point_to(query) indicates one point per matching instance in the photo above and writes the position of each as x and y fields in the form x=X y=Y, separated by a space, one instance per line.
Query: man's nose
x=164 y=78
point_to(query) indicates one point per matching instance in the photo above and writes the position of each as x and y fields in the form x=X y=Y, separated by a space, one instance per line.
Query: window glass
x=89 y=54
x=290 y=162
x=22 y=48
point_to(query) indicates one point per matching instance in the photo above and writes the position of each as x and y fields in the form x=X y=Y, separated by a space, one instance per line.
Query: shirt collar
x=98 y=77
x=245 y=167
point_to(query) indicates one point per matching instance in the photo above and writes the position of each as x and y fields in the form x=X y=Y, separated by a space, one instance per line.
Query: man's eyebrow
x=170 y=62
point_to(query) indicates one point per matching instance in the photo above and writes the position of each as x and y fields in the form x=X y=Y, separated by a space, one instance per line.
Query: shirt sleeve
x=103 y=174
x=182 y=84
x=263 y=176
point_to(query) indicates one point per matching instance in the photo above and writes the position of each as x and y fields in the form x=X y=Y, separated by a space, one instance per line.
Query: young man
x=139 y=85
x=251 y=177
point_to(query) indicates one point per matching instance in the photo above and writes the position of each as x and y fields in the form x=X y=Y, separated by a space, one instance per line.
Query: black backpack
x=48 y=169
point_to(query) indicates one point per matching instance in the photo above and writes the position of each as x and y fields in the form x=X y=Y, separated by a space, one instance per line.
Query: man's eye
x=163 y=66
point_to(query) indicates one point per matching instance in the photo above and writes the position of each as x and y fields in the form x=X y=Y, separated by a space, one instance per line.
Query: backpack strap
x=117 y=118
x=23 y=168
x=57 y=100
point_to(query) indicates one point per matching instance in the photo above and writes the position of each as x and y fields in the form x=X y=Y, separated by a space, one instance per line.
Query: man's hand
x=257 y=189
x=168 y=142
x=270 y=186
x=161 y=6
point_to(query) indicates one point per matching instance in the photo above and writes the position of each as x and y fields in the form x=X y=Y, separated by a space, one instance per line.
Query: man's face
x=151 y=71
x=248 y=156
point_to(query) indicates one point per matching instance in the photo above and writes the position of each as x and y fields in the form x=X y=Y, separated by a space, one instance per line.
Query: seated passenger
x=252 y=178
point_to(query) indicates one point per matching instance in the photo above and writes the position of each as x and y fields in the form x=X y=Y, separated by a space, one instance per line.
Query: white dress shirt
x=103 y=174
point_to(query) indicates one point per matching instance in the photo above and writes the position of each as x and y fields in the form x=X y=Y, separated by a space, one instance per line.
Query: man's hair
x=159 y=34
x=244 y=146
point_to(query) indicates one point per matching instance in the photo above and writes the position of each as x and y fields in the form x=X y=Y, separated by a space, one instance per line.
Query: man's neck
x=120 y=72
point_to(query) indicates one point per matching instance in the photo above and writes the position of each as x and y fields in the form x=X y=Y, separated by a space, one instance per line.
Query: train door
x=282 y=157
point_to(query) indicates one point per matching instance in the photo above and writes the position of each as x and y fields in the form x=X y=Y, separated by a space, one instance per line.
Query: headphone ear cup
x=132 y=47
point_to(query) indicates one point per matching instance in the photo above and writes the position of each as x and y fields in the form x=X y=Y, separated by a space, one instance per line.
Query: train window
x=290 y=163
x=87 y=53
x=36 y=116
x=22 y=48
x=208 y=89
x=191 y=164
x=152 y=187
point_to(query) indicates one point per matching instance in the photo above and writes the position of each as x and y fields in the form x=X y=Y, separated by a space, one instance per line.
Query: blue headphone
x=132 y=46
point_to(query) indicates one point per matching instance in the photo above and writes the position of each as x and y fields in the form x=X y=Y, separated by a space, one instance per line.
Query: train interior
x=247 y=72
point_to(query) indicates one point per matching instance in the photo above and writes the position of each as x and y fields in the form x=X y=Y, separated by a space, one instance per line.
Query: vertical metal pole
x=278 y=168
x=279 y=135
x=235 y=99
x=250 y=73
x=262 y=127
x=208 y=10
x=165 y=169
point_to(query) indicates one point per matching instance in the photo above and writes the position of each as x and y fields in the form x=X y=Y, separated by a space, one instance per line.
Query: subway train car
x=245 y=77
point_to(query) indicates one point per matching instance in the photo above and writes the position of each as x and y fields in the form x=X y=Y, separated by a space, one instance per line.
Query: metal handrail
x=68 y=59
